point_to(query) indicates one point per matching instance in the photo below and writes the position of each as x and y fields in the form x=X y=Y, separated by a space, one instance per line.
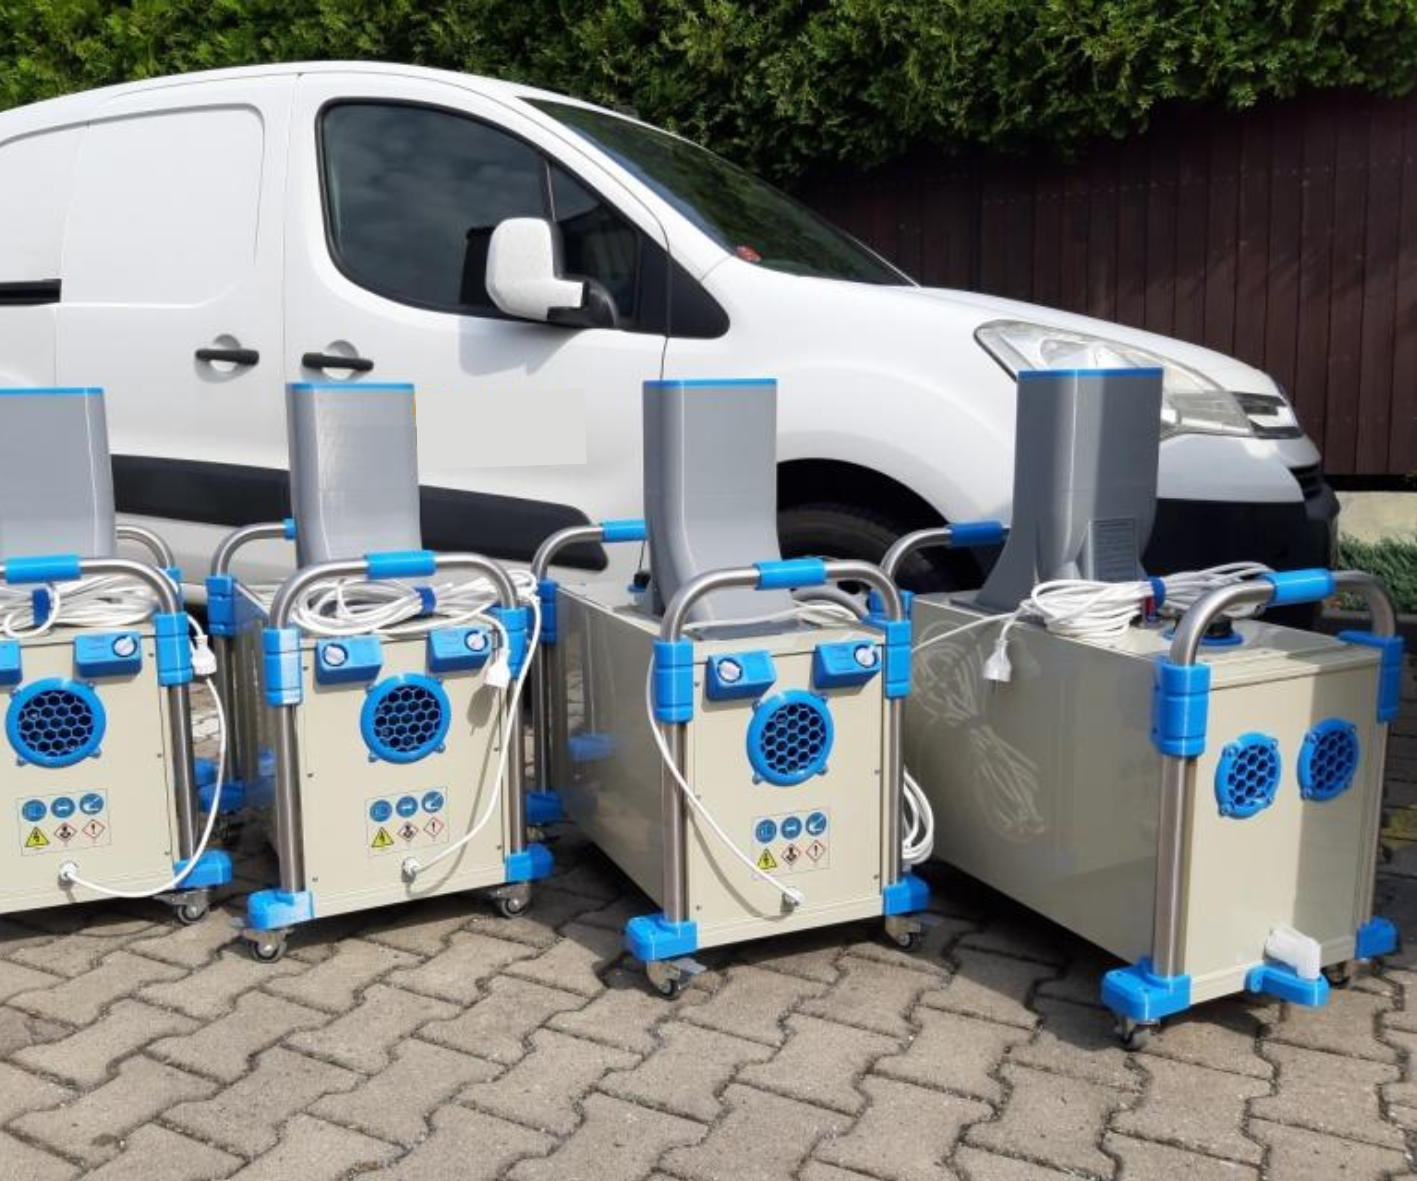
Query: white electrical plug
x=499 y=672
x=997 y=667
x=203 y=658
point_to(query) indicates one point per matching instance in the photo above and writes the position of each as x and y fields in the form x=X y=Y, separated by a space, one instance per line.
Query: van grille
x=1311 y=480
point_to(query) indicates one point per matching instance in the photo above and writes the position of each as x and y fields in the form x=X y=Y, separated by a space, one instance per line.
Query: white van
x=194 y=243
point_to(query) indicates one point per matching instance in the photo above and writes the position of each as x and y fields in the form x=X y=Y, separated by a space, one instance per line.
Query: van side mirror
x=523 y=278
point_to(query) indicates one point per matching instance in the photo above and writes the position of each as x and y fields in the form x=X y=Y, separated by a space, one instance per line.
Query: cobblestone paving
x=440 y=1041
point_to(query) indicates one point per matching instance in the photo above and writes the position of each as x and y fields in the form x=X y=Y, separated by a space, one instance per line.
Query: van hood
x=1227 y=372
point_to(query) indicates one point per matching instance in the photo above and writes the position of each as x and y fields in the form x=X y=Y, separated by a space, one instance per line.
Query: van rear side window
x=165 y=207
x=413 y=193
x=37 y=171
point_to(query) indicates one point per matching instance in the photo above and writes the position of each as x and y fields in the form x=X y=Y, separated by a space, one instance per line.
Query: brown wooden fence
x=1286 y=236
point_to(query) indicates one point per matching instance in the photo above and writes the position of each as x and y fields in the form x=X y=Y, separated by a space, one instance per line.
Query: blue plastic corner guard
x=212 y=868
x=612 y=532
x=790 y=573
x=1299 y=586
x=1180 y=704
x=280 y=666
x=221 y=605
x=174 y=648
x=1390 y=650
x=650 y=937
x=590 y=748
x=413 y=563
x=546 y=592
x=968 y=534
x=273 y=910
x=1140 y=994
x=905 y=896
x=516 y=621
x=1285 y=984
x=43 y=568
x=233 y=796
x=543 y=808
x=876 y=610
x=897 y=645
x=11 y=662
x=673 y=681
x=1378 y=936
x=530 y=865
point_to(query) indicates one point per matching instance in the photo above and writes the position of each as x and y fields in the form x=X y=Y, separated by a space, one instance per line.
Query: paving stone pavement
x=442 y=1041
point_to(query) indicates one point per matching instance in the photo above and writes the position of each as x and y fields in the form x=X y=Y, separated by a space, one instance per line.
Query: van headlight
x=1190 y=401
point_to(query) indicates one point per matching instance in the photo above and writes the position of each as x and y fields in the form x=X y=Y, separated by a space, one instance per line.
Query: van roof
x=76 y=108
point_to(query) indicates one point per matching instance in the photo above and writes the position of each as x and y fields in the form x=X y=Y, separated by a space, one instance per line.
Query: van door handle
x=230 y=356
x=334 y=361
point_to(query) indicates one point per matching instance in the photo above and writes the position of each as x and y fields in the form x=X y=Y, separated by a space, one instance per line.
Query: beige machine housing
x=613 y=782
x=1048 y=787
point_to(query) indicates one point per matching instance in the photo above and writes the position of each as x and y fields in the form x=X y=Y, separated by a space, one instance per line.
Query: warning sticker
x=792 y=842
x=405 y=821
x=44 y=823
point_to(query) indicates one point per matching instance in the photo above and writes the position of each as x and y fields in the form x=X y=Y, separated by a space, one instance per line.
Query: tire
x=849 y=531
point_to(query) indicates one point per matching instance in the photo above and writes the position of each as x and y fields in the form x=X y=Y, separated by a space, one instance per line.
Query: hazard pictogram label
x=382 y=840
x=433 y=827
x=93 y=829
x=791 y=844
x=66 y=832
x=765 y=861
x=792 y=854
x=36 y=840
x=815 y=850
x=407 y=831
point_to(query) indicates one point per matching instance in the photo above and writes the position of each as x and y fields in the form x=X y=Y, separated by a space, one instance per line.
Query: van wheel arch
x=841 y=510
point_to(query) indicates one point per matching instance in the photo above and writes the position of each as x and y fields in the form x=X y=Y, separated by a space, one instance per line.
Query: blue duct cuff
x=212 y=868
x=543 y=808
x=413 y=563
x=650 y=937
x=906 y=896
x=515 y=620
x=968 y=534
x=274 y=910
x=1389 y=669
x=174 y=649
x=624 y=530
x=1285 y=984
x=1376 y=937
x=1299 y=586
x=280 y=666
x=673 y=681
x=790 y=573
x=1139 y=994
x=44 y=568
x=1180 y=703
x=546 y=591
x=530 y=865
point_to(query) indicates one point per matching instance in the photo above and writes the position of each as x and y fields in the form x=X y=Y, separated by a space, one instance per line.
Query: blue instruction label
x=34 y=810
x=380 y=811
x=62 y=807
x=432 y=801
x=407 y=806
x=91 y=804
x=792 y=828
x=816 y=824
x=766 y=832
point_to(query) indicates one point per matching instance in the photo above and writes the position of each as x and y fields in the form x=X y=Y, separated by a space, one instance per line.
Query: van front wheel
x=852 y=532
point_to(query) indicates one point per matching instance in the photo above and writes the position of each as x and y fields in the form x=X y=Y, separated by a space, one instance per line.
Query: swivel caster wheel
x=906 y=933
x=669 y=978
x=266 y=951
x=1341 y=975
x=510 y=906
x=1135 y=1035
x=190 y=913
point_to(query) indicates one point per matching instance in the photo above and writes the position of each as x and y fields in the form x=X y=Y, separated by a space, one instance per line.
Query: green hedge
x=781 y=85
x=1394 y=560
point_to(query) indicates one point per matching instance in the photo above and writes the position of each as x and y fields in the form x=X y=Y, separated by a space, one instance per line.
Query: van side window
x=413 y=193
x=37 y=169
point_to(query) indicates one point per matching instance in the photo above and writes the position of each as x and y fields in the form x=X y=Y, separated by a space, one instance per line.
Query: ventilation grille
x=1248 y=775
x=405 y=719
x=1328 y=759
x=55 y=723
x=790 y=738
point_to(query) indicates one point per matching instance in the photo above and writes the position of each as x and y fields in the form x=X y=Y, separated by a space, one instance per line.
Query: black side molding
x=507 y=527
x=29 y=293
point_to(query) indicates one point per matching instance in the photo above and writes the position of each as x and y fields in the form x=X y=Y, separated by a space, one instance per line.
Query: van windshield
x=746 y=216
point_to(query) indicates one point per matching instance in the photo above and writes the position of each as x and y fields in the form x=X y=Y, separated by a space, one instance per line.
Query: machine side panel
x=1296 y=861
x=1046 y=788
x=609 y=771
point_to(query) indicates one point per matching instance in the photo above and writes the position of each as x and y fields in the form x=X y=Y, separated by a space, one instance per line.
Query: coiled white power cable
x=112 y=600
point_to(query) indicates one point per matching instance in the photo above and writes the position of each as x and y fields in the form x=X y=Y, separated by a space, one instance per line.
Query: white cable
x=69 y=870
x=511 y=738
x=919 y=841
x=100 y=601
x=355 y=606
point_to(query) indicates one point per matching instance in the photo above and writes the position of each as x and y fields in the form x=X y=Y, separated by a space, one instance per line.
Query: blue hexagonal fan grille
x=405 y=718
x=1247 y=776
x=55 y=723
x=1328 y=759
x=790 y=738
